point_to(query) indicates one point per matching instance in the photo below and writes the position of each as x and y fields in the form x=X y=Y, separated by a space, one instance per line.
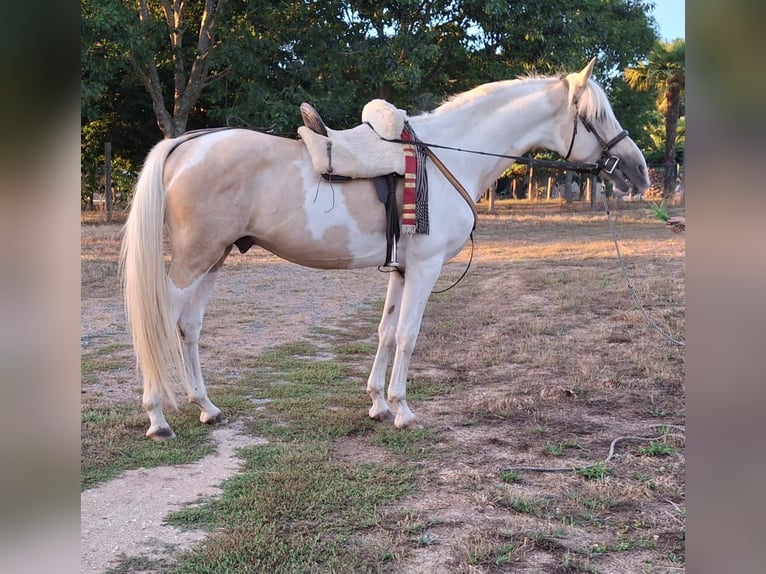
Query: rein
x=584 y=167
x=606 y=162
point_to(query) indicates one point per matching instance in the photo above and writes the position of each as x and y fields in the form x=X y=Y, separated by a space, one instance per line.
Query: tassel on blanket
x=415 y=204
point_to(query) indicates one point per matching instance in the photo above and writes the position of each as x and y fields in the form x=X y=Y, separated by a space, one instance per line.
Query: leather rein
x=606 y=162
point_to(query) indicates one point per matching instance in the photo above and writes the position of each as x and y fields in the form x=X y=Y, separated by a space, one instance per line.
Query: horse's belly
x=338 y=248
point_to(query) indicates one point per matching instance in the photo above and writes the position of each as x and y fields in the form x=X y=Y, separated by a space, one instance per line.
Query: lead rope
x=636 y=300
x=609 y=456
x=465 y=272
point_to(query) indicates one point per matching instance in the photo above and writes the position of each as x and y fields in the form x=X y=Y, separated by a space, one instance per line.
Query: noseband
x=606 y=161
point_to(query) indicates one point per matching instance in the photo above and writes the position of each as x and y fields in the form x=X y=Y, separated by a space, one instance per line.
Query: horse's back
x=235 y=184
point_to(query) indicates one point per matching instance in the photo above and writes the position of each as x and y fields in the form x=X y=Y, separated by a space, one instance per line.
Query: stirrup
x=312 y=119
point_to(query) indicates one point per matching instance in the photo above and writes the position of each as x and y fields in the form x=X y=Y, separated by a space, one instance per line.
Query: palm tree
x=664 y=72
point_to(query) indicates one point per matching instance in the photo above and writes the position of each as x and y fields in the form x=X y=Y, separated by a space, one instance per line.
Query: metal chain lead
x=636 y=300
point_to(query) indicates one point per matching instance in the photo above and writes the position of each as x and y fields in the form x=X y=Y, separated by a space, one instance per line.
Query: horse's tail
x=142 y=269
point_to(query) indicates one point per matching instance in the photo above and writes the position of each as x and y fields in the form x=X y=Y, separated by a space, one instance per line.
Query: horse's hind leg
x=380 y=409
x=190 y=326
x=187 y=306
x=159 y=429
x=179 y=298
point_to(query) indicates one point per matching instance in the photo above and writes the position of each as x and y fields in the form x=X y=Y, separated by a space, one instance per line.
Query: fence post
x=593 y=189
x=108 y=180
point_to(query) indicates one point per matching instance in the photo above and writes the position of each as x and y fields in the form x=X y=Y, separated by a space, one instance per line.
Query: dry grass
x=537 y=358
x=544 y=348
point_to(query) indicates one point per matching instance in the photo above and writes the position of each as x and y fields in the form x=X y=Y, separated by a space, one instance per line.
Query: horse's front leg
x=419 y=280
x=376 y=382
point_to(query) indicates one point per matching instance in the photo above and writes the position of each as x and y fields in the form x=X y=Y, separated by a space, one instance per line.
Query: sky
x=670 y=16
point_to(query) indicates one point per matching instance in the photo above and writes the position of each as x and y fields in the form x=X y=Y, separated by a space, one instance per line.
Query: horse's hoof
x=162 y=434
x=218 y=419
x=384 y=417
x=410 y=425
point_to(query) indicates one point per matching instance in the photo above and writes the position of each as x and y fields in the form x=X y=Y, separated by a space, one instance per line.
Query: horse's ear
x=587 y=71
x=582 y=77
x=578 y=81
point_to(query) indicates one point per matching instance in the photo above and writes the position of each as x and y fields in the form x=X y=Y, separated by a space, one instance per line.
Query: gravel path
x=125 y=516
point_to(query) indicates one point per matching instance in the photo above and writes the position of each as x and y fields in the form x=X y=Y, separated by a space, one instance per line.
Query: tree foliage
x=153 y=68
x=663 y=74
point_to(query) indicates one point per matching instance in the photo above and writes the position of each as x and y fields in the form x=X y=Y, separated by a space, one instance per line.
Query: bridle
x=606 y=161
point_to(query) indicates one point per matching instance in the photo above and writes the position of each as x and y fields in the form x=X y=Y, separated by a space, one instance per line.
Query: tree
x=664 y=73
x=198 y=63
x=551 y=36
x=155 y=38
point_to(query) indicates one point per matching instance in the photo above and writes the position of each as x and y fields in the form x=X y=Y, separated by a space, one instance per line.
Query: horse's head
x=603 y=140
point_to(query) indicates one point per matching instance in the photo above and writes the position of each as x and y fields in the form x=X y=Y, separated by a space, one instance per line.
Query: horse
x=207 y=193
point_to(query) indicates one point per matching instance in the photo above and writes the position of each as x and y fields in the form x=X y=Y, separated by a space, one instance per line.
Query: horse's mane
x=593 y=102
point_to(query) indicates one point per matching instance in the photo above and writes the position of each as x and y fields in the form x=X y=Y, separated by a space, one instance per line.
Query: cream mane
x=593 y=102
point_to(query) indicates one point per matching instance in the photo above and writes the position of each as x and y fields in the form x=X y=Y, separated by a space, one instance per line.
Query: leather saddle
x=361 y=152
x=364 y=151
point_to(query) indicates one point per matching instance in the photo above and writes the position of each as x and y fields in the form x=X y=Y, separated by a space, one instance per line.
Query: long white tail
x=142 y=269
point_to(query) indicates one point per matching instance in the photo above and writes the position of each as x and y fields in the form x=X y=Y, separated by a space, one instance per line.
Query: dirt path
x=125 y=515
x=259 y=302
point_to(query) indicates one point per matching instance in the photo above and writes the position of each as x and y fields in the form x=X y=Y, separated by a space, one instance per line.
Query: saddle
x=362 y=152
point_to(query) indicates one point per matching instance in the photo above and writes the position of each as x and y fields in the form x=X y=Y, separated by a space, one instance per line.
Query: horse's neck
x=509 y=121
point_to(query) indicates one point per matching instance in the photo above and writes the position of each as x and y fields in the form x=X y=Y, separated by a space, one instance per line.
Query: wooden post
x=108 y=180
x=593 y=188
x=549 y=188
x=514 y=191
x=531 y=182
x=492 y=189
x=568 y=187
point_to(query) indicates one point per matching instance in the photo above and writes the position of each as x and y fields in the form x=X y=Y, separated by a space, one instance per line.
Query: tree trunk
x=186 y=92
x=108 y=180
x=672 y=112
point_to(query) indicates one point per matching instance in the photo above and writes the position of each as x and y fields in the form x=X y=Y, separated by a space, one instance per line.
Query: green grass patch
x=655 y=449
x=101 y=359
x=356 y=350
x=130 y=564
x=534 y=505
x=413 y=443
x=594 y=471
x=294 y=509
x=425 y=387
x=559 y=448
x=510 y=476
x=113 y=440
x=310 y=399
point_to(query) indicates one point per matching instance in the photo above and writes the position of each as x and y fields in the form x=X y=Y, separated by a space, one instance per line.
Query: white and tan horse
x=239 y=187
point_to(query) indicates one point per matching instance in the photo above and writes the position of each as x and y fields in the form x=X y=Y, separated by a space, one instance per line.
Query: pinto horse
x=239 y=187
